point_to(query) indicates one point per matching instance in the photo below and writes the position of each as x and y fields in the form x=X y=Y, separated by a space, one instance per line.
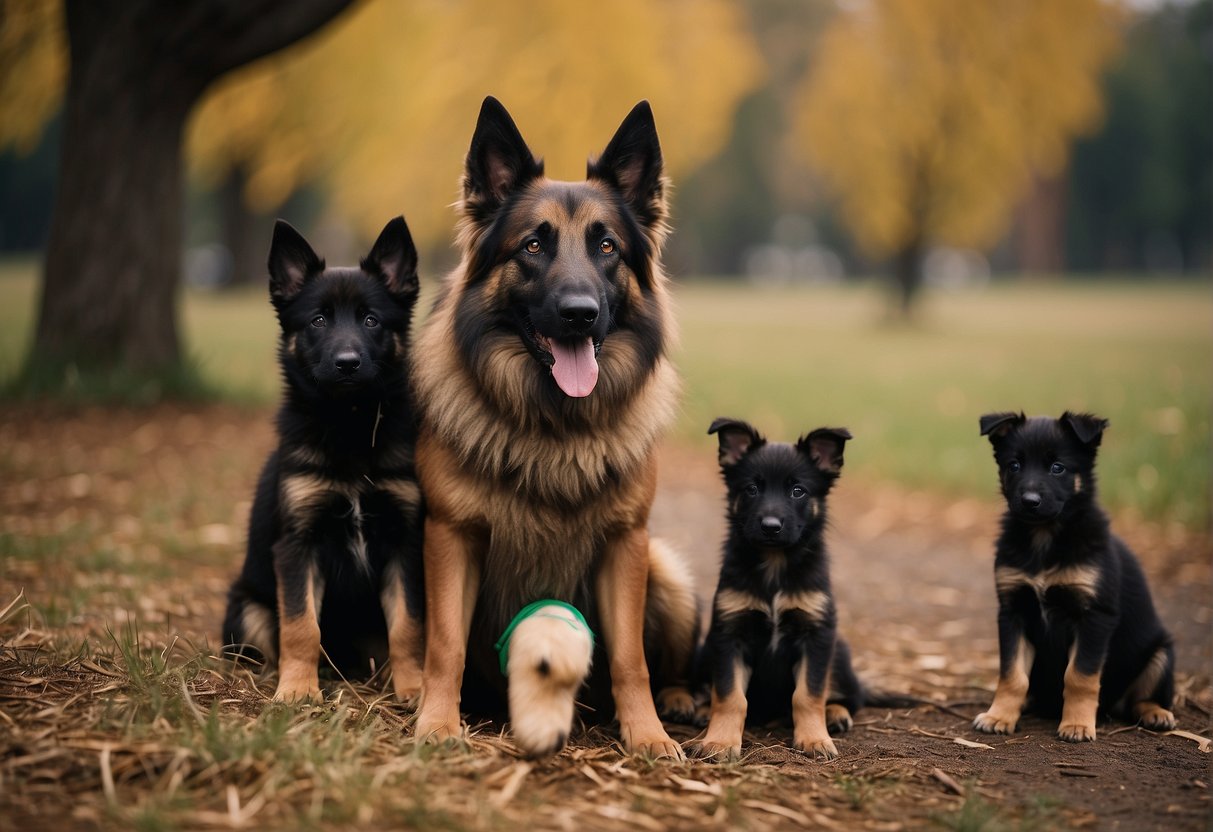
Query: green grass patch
x=791 y=359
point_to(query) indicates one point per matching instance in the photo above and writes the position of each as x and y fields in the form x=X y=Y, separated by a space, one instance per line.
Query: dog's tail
x=550 y=651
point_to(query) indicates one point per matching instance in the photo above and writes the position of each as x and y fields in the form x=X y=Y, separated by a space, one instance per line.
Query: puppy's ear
x=824 y=447
x=998 y=425
x=632 y=165
x=292 y=262
x=1087 y=427
x=736 y=440
x=393 y=258
x=498 y=162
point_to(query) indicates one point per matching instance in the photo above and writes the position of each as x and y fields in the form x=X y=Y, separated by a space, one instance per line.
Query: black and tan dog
x=773 y=646
x=545 y=385
x=334 y=548
x=1077 y=631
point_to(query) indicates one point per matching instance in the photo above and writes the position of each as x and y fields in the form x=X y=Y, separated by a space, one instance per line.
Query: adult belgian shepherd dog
x=543 y=383
x=334 y=540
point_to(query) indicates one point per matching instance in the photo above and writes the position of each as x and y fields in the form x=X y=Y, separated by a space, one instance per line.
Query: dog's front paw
x=1076 y=732
x=838 y=719
x=1155 y=717
x=816 y=747
x=714 y=751
x=298 y=691
x=408 y=696
x=676 y=704
x=656 y=746
x=994 y=723
x=437 y=729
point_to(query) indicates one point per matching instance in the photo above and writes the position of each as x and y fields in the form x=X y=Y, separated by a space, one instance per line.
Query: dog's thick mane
x=559 y=452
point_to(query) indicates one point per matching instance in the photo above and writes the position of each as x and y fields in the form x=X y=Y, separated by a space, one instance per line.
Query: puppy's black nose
x=771 y=526
x=1031 y=499
x=347 y=362
x=578 y=312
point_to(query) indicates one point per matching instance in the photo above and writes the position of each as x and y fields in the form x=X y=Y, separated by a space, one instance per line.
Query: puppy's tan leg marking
x=1149 y=713
x=722 y=740
x=299 y=646
x=838 y=718
x=1010 y=695
x=1080 y=702
x=622 y=583
x=451 y=582
x=809 y=731
x=405 y=638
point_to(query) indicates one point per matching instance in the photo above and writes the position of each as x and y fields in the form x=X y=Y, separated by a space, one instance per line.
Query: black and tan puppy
x=1077 y=631
x=334 y=548
x=773 y=646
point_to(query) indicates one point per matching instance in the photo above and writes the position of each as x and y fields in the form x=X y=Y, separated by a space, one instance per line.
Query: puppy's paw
x=656 y=746
x=1076 y=732
x=715 y=752
x=1155 y=717
x=407 y=696
x=816 y=747
x=838 y=719
x=992 y=723
x=298 y=690
x=549 y=658
x=676 y=704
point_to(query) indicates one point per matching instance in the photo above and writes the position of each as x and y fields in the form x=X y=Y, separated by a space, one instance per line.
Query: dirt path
x=105 y=513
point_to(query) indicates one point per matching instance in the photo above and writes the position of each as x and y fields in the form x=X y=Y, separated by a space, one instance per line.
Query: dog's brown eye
x=798 y=492
x=370 y=321
x=751 y=490
x=1057 y=469
x=318 y=321
x=607 y=246
x=1013 y=467
x=533 y=247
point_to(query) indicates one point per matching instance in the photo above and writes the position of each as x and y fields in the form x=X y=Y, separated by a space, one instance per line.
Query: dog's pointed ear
x=498 y=162
x=736 y=440
x=824 y=447
x=1087 y=427
x=998 y=425
x=632 y=164
x=394 y=259
x=292 y=261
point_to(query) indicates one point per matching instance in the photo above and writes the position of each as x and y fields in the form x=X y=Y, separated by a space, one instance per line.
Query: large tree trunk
x=907 y=274
x=114 y=253
x=1041 y=241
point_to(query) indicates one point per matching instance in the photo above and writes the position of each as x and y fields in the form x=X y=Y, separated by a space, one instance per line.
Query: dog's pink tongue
x=575 y=369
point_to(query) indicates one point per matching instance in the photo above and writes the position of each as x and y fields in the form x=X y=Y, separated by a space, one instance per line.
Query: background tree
x=928 y=118
x=136 y=69
x=387 y=133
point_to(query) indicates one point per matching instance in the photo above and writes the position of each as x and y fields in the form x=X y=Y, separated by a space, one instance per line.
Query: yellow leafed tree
x=379 y=109
x=33 y=69
x=928 y=118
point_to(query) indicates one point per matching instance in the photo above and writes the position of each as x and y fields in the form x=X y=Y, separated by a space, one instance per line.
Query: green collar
x=503 y=644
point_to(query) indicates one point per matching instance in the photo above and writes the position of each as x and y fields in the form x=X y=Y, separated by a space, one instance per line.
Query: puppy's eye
x=1013 y=466
x=318 y=321
x=533 y=246
x=798 y=493
x=751 y=490
x=370 y=321
x=607 y=246
x=1057 y=469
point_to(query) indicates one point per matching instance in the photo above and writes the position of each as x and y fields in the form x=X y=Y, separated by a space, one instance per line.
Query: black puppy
x=772 y=647
x=1077 y=631
x=334 y=548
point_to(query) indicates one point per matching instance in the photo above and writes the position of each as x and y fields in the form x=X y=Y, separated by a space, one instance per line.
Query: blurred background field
x=790 y=360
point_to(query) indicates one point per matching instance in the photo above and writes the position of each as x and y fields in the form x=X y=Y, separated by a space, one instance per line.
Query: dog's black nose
x=1030 y=499
x=347 y=362
x=772 y=526
x=578 y=311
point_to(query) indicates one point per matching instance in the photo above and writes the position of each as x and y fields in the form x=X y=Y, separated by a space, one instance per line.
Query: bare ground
x=123 y=527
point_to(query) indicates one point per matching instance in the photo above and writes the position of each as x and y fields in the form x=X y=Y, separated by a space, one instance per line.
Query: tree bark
x=114 y=255
x=907 y=273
